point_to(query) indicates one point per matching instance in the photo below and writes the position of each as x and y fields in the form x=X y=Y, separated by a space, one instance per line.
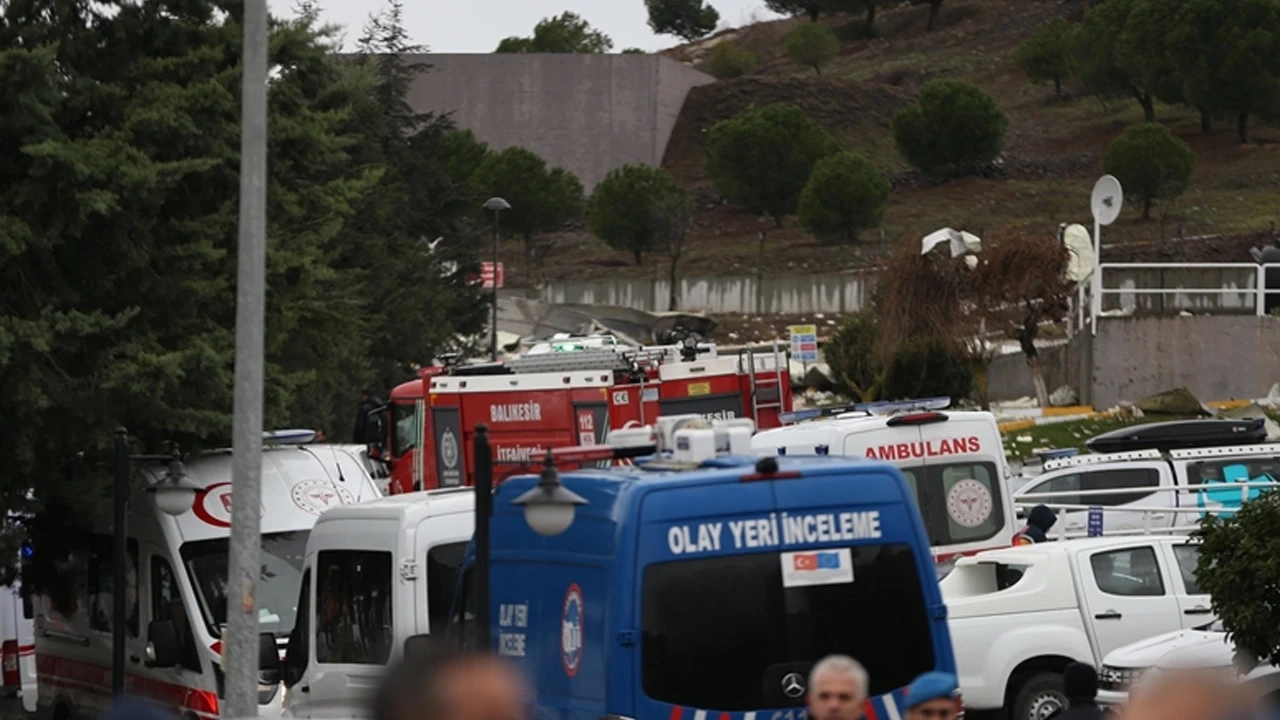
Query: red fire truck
x=563 y=399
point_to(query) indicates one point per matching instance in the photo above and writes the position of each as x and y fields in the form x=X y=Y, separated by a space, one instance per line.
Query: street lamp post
x=174 y=495
x=496 y=205
x=548 y=508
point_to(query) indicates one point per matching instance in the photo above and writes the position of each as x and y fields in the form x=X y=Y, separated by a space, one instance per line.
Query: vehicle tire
x=1038 y=697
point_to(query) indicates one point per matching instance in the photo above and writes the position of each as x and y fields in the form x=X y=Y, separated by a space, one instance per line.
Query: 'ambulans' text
x=776 y=530
x=927 y=448
x=516 y=412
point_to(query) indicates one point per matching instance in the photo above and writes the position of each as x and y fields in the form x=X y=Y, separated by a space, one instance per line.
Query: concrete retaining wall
x=586 y=113
x=774 y=295
x=1215 y=357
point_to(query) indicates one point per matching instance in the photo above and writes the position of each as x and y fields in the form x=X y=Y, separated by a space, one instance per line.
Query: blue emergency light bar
x=297 y=436
x=1057 y=453
x=883 y=407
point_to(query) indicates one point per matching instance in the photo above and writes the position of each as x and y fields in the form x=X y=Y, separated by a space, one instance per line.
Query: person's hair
x=411 y=687
x=840 y=664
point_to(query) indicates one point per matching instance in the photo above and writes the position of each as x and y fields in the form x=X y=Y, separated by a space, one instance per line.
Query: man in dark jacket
x=366 y=430
x=1038 y=523
x=1080 y=683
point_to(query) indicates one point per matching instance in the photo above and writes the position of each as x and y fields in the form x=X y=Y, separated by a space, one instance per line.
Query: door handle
x=1108 y=615
x=1158 y=516
x=135 y=659
x=1074 y=526
x=305 y=688
x=1198 y=610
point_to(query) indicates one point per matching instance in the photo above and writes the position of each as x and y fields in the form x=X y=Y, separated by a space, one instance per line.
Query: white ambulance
x=954 y=462
x=376 y=576
x=17 y=646
x=177 y=582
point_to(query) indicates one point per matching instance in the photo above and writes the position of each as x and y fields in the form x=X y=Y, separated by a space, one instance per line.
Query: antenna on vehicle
x=1105 y=204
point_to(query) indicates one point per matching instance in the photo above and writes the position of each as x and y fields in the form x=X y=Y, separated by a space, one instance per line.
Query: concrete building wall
x=1216 y=357
x=586 y=113
x=774 y=295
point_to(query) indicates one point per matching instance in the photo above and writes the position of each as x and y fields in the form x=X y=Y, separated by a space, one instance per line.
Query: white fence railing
x=1207 y=288
x=1220 y=493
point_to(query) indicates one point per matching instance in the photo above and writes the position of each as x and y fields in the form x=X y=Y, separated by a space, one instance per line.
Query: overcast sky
x=476 y=26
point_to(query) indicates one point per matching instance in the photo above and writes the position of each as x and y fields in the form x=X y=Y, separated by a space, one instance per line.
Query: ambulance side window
x=100 y=589
x=166 y=604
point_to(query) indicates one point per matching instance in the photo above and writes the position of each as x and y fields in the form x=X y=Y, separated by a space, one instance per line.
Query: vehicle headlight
x=1120 y=679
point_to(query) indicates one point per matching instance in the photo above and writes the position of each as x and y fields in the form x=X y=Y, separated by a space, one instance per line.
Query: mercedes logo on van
x=793 y=685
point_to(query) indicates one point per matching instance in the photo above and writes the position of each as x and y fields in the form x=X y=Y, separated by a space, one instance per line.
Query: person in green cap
x=932 y=696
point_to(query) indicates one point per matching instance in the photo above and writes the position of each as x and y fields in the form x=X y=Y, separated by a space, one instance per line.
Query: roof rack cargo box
x=1180 y=434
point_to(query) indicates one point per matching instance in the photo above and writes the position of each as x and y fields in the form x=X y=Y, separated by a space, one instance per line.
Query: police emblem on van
x=316 y=496
x=449 y=449
x=571 y=624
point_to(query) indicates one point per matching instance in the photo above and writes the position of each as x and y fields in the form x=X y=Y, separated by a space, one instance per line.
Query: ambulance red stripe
x=83 y=676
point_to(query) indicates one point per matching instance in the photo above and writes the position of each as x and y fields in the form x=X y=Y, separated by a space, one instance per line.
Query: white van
x=375 y=576
x=954 y=462
x=17 y=645
x=176 y=593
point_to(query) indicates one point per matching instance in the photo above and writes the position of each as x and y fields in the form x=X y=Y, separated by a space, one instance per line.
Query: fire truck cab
x=568 y=398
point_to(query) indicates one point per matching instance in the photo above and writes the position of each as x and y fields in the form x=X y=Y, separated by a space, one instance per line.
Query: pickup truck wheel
x=1039 y=697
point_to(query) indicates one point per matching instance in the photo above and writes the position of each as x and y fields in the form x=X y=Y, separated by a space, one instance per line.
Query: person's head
x=1177 y=694
x=932 y=696
x=365 y=394
x=454 y=686
x=837 y=689
x=1043 y=517
x=1080 y=681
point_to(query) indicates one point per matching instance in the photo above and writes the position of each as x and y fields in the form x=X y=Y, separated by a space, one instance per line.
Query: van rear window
x=959 y=502
x=722 y=632
x=353 y=607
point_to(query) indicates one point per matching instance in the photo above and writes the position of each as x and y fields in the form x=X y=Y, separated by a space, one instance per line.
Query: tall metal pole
x=484 y=510
x=493 y=325
x=240 y=642
x=119 y=578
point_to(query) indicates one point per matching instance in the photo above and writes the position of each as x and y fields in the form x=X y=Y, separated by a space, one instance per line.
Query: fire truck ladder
x=766 y=390
x=589 y=359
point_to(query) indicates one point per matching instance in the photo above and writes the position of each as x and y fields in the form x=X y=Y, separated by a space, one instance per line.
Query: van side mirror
x=270 y=670
x=162 y=644
x=417 y=647
x=294 y=662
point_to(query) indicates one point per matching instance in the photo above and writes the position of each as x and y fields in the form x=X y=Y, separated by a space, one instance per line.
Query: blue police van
x=706 y=593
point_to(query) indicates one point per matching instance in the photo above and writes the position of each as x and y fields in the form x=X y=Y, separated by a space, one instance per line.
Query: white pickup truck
x=1019 y=615
x=1132 y=488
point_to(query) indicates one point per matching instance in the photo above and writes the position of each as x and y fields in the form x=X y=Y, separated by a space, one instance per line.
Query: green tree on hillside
x=728 y=60
x=1228 y=55
x=952 y=129
x=852 y=7
x=812 y=8
x=1099 y=67
x=844 y=194
x=463 y=153
x=542 y=198
x=626 y=208
x=935 y=12
x=686 y=19
x=1150 y=163
x=763 y=157
x=854 y=367
x=564 y=33
x=1142 y=50
x=812 y=45
x=1046 y=55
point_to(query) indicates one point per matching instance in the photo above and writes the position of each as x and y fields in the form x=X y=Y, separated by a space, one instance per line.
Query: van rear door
x=815 y=565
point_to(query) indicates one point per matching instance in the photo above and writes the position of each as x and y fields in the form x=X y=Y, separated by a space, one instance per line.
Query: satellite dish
x=1080 y=248
x=1107 y=200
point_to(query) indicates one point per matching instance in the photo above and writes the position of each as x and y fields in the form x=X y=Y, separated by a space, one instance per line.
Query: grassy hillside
x=1052 y=157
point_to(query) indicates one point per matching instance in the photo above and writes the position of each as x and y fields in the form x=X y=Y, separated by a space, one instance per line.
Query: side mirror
x=294 y=663
x=270 y=671
x=417 y=647
x=162 y=644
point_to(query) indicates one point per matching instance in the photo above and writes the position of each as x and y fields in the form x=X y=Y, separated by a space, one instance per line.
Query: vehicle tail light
x=10 y=663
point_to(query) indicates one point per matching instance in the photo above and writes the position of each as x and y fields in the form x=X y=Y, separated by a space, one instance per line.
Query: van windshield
x=959 y=502
x=278 y=580
x=696 y=653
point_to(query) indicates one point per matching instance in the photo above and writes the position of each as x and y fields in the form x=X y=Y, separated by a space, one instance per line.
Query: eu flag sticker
x=817 y=567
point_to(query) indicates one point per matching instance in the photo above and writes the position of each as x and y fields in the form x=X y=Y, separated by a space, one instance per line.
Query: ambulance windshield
x=278 y=581
x=695 y=653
